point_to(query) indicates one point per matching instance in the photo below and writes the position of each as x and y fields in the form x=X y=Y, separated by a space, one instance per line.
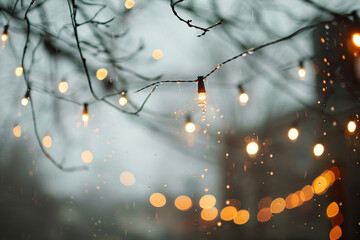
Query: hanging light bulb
x=243 y=96
x=123 y=99
x=356 y=39
x=252 y=148
x=201 y=91
x=301 y=71
x=293 y=134
x=4 y=35
x=189 y=127
x=25 y=99
x=63 y=86
x=351 y=126
x=85 y=115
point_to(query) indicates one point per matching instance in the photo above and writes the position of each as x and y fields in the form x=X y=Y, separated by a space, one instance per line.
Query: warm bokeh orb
x=123 y=101
x=209 y=214
x=252 y=148
x=351 y=126
x=307 y=193
x=318 y=149
x=157 y=200
x=302 y=73
x=4 y=37
x=335 y=233
x=332 y=210
x=101 y=73
x=47 y=141
x=127 y=178
x=293 y=134
x=19 y=71
x=241 y=217
x=278 y=205
x=157 y=54
x=129 y=4
x=264 y=215
x=86 y=156
x=190 y=127
x=183 y=203
x=63 y=86
x=17 y=131
x=243 y=98
x=319 y=185
x=207 y=201
x=228 y=213
x=356 y=39
x=24 y=101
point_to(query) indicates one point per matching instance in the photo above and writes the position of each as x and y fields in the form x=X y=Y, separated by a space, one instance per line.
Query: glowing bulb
x=252 y=148
x=63 y=86
x=201 y=90
x=356 y=39
x=85 y=115
x=318 y=149
x=202 y=98
x=4 y=37
x=123 y=101
x=190 y=127
x=129 y=3
x=302 y=73
x=157 y=54
x=293 y=134
x=24 y=101
x=19 y=71
x=243 y=98
x=101 y=73
x=351 y=126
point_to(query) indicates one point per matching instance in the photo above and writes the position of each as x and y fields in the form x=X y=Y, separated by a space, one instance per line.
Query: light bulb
x=318 y=149
x=129 y=4
x=243 y=98
x=24 y=101
x=85 y=115
x=123 y=101
x=19 y=71
x=351 y=126
x=201 y=91
x=101 y=74
x=63 y=86
x=190 y=127
x=4 y=36
x=252 y=148
x=293 y=134
x=356 y=39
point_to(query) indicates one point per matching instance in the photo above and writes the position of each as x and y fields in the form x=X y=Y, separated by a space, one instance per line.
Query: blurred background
x=174 y=170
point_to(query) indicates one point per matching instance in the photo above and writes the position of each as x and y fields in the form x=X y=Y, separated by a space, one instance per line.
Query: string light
x=123 y=99
x=301 y=71
x=101 y=74
x=19 y=71
x=190 y=127
x=25 y=99
x=129 y=4
x=201 y=91
x=351 y=126
x=293 y=134
x=356 y=39
x=85 y=115
x=4 y=35
x=252 y=148
x=243 y=96
x=318 y=149
x=63 y=86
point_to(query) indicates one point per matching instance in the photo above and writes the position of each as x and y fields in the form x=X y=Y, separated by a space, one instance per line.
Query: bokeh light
x=356 y=39
x=101 y=73
x=157 y=200
x=47 y=141
x=241 y=217
x=319 y=185
x=190 y=127
x=19 y=71
x=264 y=215
x=302 y=73
x=293 y=134
x=129 y=4
x=351 y=126
x=291 y=201
x=123 y=101
x=335 y=233
x=63 y=86
x=4 y=37
x=17 y=131
x=127 y=178
x=318 y=149
x=307 y=193
x=209 y=214
x=183 y=203
x=207 y=201
x=332 y=210
x=278 y=205
x=24 y=101
x=157 y=54
x=252 y=148
x=87 y=156
x=228 y=213
x=243 y=98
